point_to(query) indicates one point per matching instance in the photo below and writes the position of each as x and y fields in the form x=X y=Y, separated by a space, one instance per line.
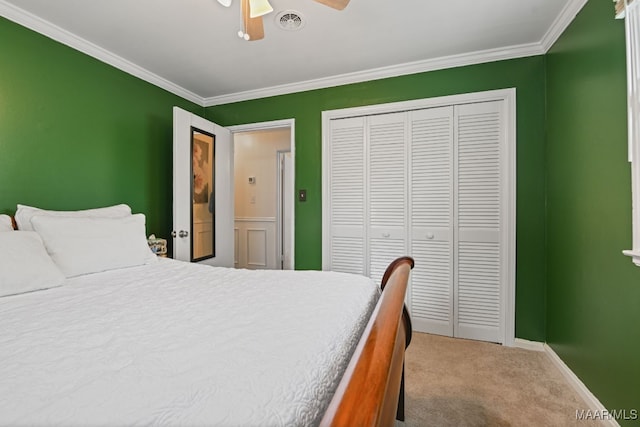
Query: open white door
x=203 y=202
x=284 y=211
x=288 y=214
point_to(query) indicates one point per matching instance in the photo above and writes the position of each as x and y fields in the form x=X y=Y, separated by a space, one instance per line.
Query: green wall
x=77 y=133
x=526 y=75
x=593 y=302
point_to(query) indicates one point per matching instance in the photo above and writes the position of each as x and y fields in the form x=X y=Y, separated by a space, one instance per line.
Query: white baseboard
x=592 y=402
x=528 y=345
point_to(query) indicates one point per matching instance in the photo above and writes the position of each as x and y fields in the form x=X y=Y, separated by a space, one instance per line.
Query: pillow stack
x=24 y=214
x=5 y=223
x=53 y=245
x=25 y=264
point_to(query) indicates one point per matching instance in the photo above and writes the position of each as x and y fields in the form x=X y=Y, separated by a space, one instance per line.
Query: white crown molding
x=58 y=34
x=46 y=28
x=441 y=63
x=556 y=29
x=592 y=402
x=561 y=23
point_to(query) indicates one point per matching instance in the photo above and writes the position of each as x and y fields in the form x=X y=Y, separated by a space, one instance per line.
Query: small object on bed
x=158 y=246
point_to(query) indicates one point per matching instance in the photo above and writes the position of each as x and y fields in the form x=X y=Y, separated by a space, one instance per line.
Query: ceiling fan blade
x=254 y=27
x=336 y=4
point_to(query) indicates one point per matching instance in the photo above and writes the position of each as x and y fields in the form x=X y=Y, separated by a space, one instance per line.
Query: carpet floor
x=457 y=382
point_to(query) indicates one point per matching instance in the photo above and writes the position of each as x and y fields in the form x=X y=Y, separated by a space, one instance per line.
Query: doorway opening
x=264 y=195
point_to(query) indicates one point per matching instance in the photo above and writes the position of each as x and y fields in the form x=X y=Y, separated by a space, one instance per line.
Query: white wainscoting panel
x=202 y=238
x=256 y=247
x=236 y=247
x=256 y=243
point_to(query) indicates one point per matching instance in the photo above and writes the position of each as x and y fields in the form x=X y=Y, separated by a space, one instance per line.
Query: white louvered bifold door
x=347 y=195
x=431 y=219
x=387 y=191
x=480 y=138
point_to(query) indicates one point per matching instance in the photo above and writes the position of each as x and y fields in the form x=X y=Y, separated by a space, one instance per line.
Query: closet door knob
x=386 y=235
x=430 y=236
x=173 y=233
x=183 y=233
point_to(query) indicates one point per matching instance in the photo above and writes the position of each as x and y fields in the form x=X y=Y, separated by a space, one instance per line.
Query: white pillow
x=25 y=213
x=5 y=223
x=90 y=245
x=25 y=265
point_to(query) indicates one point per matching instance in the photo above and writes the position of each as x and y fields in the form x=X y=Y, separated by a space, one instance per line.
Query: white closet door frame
x=508 y=240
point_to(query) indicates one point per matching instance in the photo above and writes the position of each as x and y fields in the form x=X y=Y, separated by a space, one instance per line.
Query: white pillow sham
x=89 y=245
x=25 y=265
x=5 y=223
x=25 y=213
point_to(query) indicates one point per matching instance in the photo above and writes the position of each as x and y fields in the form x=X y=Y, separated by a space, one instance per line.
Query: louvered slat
x=387 y=170
x=431 y=285
x=347 y=169
x=479 y=284
x=347 y=195
x=478 y=161
x=347 y=255
x=431 y=167
x=381 y=253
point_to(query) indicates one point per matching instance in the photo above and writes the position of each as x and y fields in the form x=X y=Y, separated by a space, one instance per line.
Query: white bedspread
x=180 y=344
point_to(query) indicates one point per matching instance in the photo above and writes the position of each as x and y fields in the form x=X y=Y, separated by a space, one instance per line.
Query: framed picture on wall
x=202 y=155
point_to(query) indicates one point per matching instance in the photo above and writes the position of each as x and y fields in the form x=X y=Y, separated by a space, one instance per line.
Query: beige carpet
x=456 y=382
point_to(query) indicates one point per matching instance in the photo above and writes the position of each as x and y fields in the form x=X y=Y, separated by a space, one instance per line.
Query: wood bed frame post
x=371 y=392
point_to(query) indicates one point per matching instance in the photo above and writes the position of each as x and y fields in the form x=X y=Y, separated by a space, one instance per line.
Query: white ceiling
x=191 y=47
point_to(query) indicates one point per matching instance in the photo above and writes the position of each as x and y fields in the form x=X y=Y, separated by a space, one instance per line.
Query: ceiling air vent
x=290 y=20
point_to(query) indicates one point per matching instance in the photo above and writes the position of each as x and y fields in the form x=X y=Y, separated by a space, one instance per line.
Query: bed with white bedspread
x=180 y=344
x=95 y=330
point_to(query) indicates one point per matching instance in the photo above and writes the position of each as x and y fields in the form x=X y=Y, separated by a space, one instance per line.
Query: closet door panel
x=347 y=195
x=431 y=287
x=387 y=190
x=479 y=193
x=382 y=251
x=431 y=219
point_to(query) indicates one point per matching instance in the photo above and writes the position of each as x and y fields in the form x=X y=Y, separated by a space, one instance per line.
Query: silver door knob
x=183 y=233
x=386 y=235
x=430 y=236
x=173 y=234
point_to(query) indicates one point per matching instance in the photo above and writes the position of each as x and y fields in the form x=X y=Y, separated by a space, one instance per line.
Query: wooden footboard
x=371 y=388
